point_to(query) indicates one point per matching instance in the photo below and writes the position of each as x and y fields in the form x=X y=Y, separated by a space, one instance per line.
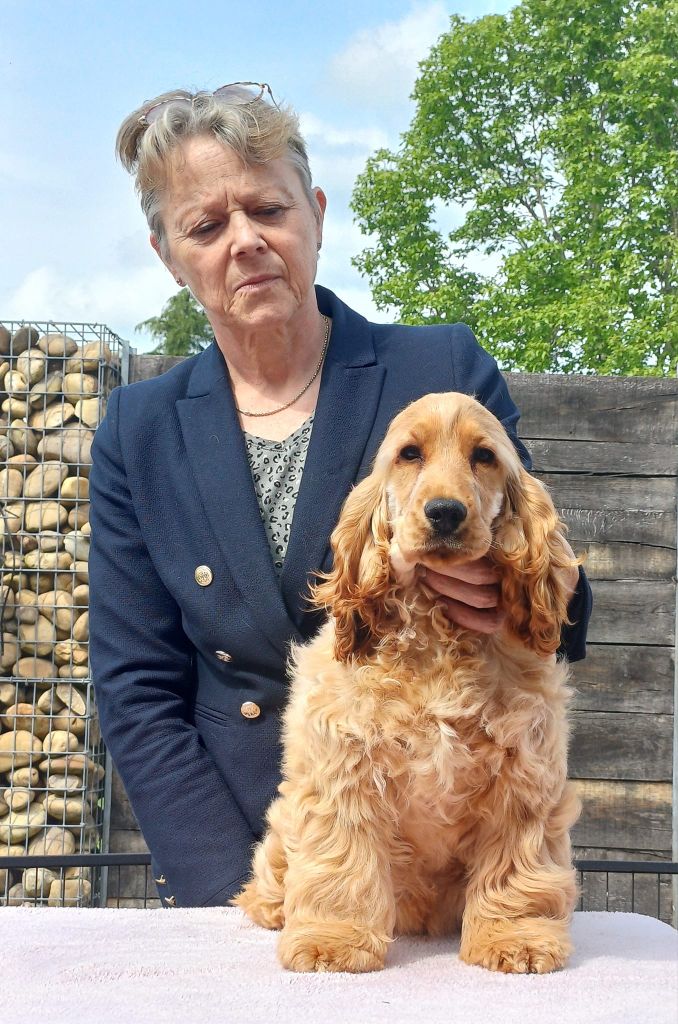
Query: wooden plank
x=602 y=457
x=625 y=561
x=601 y=493
x=130 y=885
x=143 y=367
x=657 y=529
x=616 y=509
x=617 y=678
x=633 y=612
x=122 y=815
x=127 y=840
x=624 y=815
x=624 y=746
x=637 y=409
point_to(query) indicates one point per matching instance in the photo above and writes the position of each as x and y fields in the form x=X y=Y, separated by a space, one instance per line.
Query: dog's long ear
x=354 y=590
x=529 y=545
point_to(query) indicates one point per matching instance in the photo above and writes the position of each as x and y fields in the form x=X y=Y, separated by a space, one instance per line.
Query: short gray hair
x=256 y=130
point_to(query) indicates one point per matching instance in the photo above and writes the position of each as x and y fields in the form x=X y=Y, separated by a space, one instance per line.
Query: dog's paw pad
x=321 y=948
x=523 y=946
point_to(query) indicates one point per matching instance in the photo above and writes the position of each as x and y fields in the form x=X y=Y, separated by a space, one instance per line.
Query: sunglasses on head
x=234 y=93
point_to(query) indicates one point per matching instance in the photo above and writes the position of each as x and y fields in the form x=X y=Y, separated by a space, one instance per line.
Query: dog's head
x=447 y=487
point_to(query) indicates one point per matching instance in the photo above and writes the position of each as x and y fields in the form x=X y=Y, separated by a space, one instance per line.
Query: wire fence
x=55 y=378
x=124 y=880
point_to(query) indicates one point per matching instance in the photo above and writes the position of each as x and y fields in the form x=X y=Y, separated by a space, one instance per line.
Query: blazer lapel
x=349 y=395
x=218 y=461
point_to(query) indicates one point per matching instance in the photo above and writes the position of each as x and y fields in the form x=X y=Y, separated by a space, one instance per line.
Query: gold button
x=160 y=881
x=224 y=656
x=250 y=710
x=171 y=901
x=203 y=576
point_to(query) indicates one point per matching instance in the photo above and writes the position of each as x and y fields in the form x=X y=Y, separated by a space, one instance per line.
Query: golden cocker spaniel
x=425 y=776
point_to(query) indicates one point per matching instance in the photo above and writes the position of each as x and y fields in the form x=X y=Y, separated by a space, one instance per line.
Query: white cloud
x=378 y=67
x=118 y=298
x=314 y=128
x=338 y=155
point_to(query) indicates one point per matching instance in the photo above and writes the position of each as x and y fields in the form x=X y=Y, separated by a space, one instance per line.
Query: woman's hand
x=471 y=592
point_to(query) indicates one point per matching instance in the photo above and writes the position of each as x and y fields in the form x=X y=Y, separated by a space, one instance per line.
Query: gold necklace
x=272 y=412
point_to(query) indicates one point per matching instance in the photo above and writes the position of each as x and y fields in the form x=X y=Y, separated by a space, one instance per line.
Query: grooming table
x=211 y=966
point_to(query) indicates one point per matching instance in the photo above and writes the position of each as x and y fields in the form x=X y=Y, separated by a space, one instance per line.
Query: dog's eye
x=484 y=456
x=410 y=453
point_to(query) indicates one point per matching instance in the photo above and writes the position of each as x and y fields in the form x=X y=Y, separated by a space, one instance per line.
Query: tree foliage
x=552 y=134
x=182 y=328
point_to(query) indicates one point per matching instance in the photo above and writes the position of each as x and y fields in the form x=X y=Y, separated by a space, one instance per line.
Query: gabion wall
x=54 y=379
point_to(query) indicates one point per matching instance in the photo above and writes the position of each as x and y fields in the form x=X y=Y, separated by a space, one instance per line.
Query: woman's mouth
x=253 y=284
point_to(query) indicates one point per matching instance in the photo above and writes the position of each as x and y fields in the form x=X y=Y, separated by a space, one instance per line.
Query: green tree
x=182 y=328
x=551 y=133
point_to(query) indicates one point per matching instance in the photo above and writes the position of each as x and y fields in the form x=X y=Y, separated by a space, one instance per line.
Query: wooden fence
x=606 y=447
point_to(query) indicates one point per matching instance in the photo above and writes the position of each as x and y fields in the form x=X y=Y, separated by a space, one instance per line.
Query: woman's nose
x=245 y=235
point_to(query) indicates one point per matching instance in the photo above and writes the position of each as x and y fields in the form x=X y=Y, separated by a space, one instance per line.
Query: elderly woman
x=215 y=487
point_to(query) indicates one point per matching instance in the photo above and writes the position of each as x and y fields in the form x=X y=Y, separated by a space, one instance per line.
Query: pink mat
x=213 y=965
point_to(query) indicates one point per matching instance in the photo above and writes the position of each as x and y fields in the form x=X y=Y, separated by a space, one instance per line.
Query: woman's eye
x=410 y=453
x=484 y=456
x=204 y=229
x=270 y=211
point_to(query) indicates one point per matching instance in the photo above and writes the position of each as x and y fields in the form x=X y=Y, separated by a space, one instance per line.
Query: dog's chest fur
x=445 y=732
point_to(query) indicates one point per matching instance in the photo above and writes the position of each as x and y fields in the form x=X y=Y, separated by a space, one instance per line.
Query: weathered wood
x=616 y=678
x=625 y=561
x=143 y=367
x=130 y=885
x=632 y=612
x=122 y=816
x=602 y=457
x=616 y=509
x=625 y=746
x=619 y=526
x=607 y=493
x=624 y=815
x=637 y=409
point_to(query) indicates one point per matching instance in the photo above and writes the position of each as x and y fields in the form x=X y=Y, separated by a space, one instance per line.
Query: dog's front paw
x=525 y=945
x=331 y=946
x=260 y=905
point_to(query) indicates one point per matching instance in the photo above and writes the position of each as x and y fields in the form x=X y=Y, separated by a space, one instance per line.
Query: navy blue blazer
x=171 y=490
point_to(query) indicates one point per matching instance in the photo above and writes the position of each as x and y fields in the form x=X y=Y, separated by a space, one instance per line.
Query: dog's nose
x=445 y=514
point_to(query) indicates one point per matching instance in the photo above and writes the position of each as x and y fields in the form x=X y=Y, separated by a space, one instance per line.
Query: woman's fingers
x=470 y=594
x=481 y=620
x=475 y=583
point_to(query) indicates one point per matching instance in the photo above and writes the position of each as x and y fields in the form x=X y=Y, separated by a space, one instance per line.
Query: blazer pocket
x=218 y=717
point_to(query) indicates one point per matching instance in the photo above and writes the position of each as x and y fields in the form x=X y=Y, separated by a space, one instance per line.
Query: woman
x=196 y=592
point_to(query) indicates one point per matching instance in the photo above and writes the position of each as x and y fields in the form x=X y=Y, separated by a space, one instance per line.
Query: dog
x=425 y=765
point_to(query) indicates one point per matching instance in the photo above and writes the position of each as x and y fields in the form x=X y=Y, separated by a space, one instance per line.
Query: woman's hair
x=256 y=130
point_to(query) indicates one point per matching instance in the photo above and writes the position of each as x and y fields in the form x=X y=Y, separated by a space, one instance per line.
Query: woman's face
x=244 y=239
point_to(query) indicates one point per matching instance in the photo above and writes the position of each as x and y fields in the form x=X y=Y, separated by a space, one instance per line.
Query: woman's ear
x=355 y=588
x=319 y=213
x=529 y=546
x=158 y=250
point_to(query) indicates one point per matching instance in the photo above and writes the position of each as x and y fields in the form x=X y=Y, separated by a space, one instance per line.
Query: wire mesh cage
x=54 y=382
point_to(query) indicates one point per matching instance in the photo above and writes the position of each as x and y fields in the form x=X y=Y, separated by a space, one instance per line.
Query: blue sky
x=73 y=241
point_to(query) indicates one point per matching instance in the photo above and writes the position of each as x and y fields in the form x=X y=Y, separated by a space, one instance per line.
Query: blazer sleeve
x=142 y=666
x=473 y=364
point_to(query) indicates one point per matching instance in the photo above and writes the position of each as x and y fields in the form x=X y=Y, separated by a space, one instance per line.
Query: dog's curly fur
x=425 y=766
